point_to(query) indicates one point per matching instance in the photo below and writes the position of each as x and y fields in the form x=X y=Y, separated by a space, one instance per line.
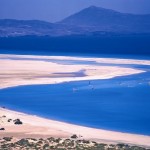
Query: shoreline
x=38 y=127
x=28 y=72
x=19 y=70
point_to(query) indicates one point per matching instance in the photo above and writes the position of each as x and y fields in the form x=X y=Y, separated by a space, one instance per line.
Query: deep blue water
x=119 y=104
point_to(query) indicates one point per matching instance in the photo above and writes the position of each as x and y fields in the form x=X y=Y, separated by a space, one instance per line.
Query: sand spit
x=16 y=70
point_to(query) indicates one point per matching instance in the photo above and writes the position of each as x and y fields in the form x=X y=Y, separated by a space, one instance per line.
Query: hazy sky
x=55 y=10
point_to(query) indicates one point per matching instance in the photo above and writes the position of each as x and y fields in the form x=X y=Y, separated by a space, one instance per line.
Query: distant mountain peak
x=92 y=7
x=101 y=19
x=91 y=14
x=91 y=20
x=98 y=8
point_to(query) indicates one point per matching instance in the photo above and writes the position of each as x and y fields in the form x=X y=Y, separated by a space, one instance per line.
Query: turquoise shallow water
x=119 y=104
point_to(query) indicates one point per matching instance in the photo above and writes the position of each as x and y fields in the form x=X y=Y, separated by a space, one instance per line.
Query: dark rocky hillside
x=87 y=21
x=100 y=19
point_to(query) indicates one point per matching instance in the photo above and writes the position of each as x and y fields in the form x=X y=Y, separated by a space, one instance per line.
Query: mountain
x=90 y=21
x=11 y=27
x=100 y=19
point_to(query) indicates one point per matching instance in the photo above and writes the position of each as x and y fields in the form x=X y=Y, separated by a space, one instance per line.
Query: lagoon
x=118 y=104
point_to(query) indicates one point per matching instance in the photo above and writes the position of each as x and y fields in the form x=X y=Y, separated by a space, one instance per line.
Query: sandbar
x=16 y=70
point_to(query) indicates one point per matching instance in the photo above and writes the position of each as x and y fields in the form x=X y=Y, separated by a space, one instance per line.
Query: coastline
x=29 y=72
x=19 y=70
x=37 y=127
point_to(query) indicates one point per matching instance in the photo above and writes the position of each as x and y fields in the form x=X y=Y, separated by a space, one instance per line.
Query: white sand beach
x=18 y=70
x=37 y=127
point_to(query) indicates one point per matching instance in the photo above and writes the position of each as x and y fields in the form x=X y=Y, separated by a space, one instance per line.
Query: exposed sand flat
x=18 y=70
x=34 y=126
x=95 y=59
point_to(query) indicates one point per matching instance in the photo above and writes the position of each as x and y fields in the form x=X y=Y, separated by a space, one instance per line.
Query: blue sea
x=118 y=104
